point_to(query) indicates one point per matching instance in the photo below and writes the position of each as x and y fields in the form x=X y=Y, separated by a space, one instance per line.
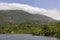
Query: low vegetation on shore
x=50 y=29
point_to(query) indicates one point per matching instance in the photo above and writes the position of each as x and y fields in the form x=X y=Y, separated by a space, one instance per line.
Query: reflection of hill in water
x=24 y=37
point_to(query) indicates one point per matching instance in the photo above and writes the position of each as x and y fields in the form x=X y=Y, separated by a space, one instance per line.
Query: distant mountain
x=19 y=16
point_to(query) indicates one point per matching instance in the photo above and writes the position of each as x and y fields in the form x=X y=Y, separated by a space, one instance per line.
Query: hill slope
x=18 y=16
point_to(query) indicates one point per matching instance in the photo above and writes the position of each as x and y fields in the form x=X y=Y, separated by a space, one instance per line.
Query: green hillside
x=18 y=16
x=21 y=22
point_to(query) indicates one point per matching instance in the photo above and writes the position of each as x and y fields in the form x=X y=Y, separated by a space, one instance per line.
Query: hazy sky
x=48 y=4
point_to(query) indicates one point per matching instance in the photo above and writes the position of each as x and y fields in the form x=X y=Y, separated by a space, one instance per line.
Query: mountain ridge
x=19 y=16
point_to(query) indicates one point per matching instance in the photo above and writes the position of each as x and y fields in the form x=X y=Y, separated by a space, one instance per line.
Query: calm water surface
x=24 y=37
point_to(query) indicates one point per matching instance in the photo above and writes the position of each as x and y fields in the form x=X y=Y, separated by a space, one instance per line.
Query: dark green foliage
x=21 y=22
x=50 y=29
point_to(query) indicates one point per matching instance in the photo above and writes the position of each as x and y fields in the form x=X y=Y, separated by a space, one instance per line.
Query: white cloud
x=15 y=6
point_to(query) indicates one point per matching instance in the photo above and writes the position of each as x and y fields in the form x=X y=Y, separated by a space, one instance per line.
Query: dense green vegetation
x=50 y=29
x=21 y=22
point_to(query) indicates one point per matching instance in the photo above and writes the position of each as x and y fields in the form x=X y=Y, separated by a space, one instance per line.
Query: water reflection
x=24 y=37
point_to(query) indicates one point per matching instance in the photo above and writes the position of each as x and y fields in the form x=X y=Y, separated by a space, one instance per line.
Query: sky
x=50 y=8
x=48 y=4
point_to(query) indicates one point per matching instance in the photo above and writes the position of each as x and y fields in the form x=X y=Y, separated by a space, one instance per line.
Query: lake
x=24 y=37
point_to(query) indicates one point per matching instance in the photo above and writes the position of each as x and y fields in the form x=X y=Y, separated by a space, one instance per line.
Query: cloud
x=53 y=13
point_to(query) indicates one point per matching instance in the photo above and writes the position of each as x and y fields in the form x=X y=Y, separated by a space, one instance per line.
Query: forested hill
x=21 y=22
x=19 y=16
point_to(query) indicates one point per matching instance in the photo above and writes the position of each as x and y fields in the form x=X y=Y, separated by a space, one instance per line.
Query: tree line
x=49 y=29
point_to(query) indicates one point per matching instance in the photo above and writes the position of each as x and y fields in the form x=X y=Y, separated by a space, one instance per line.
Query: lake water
x=24 y=37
